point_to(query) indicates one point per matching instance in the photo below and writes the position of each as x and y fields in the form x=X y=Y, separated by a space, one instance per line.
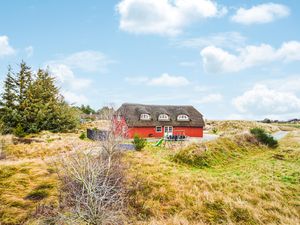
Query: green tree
x=87 y=109
x=23 y=81
x=32 y=103
x=45 y=107
x=9 y=101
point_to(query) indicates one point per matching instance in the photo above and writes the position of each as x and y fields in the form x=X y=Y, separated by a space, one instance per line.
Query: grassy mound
x=233 y=127
x=218 y=152
x=237 y=182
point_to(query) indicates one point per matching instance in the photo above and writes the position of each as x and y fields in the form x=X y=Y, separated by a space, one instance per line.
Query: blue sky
x=230 y=59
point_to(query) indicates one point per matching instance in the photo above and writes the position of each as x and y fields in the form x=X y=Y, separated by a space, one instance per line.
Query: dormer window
x=145 y=116
x=182 y=117
x=163 y=117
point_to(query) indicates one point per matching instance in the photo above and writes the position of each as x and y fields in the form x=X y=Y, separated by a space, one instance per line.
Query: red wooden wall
x=151 y=132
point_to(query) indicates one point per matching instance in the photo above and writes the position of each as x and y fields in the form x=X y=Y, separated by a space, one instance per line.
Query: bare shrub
x=92 y=188
x=92 y=184
x=2 y=148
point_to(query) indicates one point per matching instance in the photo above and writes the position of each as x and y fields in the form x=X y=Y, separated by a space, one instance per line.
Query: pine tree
x=23 y=81
x=32 y=103
x=9 y=94
x=40 y=97
x=45 y=108
x=9 y=99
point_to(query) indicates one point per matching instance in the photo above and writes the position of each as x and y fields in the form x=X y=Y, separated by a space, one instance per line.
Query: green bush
x=19 y=131
x=82 y=136
x=139 y=143
x=215 y=130
x=264 y=138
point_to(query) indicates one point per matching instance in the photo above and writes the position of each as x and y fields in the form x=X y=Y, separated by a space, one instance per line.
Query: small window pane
x=145 y=117
x=163 y=117
x=182 y=118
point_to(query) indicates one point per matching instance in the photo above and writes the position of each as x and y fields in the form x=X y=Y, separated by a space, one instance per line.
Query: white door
x=168 y=130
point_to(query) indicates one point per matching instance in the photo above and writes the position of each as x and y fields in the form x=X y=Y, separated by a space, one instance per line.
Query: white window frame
x=183 y=117
x=168 y=130
x=161 y=129
x=145 y=116
x=163 y=117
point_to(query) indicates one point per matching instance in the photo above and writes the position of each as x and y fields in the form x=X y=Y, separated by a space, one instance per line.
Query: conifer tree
x=23 y=81
x=9 y=99
x=45 y=107
x=24 y=78
x=32 y=103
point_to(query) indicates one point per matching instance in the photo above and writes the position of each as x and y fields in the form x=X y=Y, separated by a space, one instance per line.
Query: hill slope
x=256 y=186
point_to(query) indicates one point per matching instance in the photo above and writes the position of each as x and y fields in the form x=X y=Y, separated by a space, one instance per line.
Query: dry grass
x=254 y=188
x=24 y=188
x=99 y=124
x=232 y=127
x=27 y=184
x=255 y=185
x=49 y=144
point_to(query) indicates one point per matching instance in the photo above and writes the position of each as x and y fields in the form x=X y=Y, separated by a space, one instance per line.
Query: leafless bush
x=245 y=138
x=92 y=185
x=92 y=188
x=2 y=148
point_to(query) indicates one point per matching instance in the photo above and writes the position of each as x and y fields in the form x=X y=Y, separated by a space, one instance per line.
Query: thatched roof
x=132 y=113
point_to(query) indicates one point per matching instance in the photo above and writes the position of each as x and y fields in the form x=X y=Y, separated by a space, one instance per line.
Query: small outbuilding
x=159 y=120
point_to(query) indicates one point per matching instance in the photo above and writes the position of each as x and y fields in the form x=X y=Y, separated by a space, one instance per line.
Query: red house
x=160 y=120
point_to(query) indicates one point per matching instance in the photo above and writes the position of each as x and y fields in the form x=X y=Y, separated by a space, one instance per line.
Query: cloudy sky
x=230 y=59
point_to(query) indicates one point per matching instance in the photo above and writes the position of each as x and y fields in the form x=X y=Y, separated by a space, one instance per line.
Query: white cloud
x=169 y=80
x=5 y=48
x=288 y=83
x=89 y=61
x=164 y=17
x=226 y=39
x=29 y=51
x=217 y=60
x=67 y=78
x=209 y=98
x=261 y=100
x=290 y=51
x=165 y=80
x=71 y=85
x=63 y=71
x=264 y=13
x=74 y=98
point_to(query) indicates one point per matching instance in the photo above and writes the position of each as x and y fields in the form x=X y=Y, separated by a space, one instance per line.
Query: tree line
x=31 y=102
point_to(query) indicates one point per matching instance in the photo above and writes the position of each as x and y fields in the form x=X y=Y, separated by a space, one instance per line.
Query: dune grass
x=237 y=185
x=226 y=181
x=23 y=188
x=233 y=127
x=50 y=144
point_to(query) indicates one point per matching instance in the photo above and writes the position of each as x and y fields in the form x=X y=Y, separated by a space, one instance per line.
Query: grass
x=241 y=185
x=232 y=127
x=287 y=125
x=23 y=188
x=241 y=182
x=219 y=152
x=49 y=145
